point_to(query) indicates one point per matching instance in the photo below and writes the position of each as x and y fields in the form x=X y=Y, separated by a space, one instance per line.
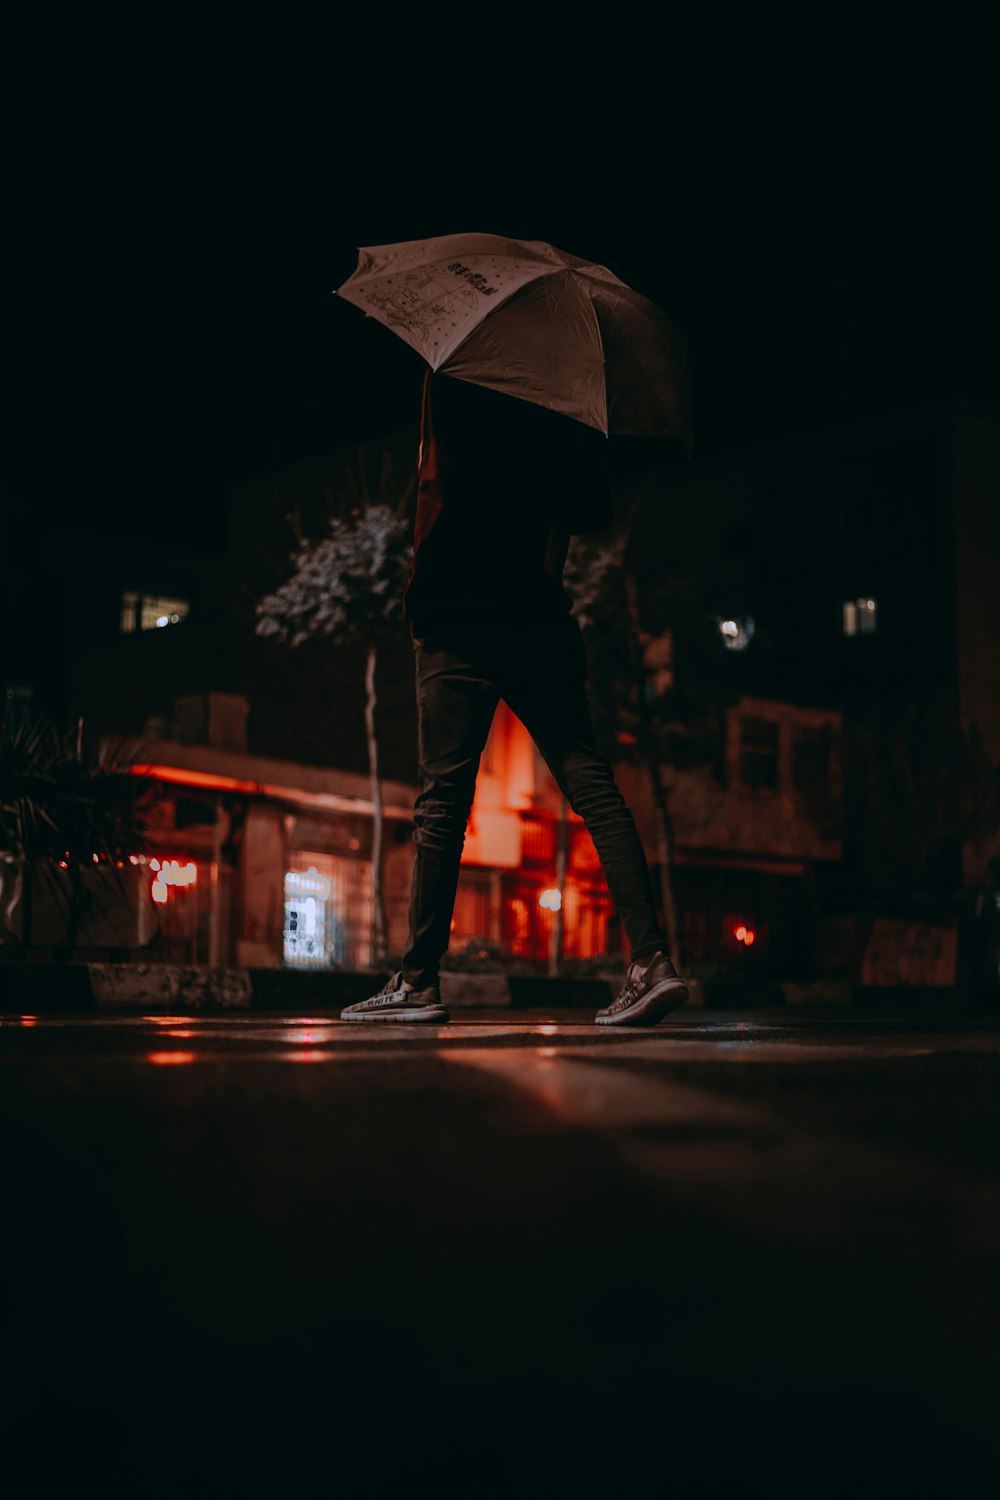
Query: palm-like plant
x=65 y=806
x=347 y=587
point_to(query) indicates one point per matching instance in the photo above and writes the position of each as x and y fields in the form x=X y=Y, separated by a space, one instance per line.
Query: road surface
x=732 y=1254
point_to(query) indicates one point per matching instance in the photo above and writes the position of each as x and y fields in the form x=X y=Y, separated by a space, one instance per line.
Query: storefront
x=327 y=911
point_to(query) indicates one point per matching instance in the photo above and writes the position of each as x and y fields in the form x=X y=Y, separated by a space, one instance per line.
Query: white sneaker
x=395 y=1003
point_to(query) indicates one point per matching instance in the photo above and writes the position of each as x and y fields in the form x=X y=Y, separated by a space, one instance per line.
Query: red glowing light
x=158 y=891
x=166 y=1058
x=745 y=935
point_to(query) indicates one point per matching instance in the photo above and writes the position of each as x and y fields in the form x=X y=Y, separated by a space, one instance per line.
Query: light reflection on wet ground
x=799 y=1039
x=781 y=1228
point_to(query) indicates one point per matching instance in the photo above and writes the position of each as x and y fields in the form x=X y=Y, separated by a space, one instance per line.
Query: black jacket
x=502 y=486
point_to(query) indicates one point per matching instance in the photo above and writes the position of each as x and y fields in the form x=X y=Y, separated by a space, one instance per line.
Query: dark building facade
x=860 y=569
x=840 y=644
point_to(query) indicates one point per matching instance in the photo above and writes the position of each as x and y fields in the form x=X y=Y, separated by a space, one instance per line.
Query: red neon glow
x=164 y=1059
x=208 y=780
x=308 y=1038
x=196 y=778
x=745 y=935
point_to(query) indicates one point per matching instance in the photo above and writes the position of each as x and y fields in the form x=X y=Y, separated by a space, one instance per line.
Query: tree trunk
x=378 y=929
x=11 y=894
x=73 y=913
x=651 y=760
x=562 y=860
x=27 y=901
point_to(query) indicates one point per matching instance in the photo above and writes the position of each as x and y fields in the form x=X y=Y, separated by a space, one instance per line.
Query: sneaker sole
x=438 y=1013
x=669 y=995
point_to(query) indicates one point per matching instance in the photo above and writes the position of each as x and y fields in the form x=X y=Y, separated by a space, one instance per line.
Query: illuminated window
x=860 y=616
x=151 y=612
x=759 y=752
x=736 y=631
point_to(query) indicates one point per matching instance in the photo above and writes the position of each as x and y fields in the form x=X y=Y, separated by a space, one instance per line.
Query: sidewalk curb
x=165 y=989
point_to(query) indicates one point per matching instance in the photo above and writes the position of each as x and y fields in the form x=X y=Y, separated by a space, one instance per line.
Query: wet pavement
x=737 y=1253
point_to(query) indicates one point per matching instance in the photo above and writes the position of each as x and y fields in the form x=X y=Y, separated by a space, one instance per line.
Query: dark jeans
x=541 y=674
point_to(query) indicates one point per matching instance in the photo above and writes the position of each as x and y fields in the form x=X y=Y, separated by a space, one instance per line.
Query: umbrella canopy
x=534 y=322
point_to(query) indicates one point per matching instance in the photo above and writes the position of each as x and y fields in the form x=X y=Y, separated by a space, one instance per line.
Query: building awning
x=315 y=788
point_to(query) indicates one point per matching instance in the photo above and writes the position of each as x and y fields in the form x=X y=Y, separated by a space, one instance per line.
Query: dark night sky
x=824 y=245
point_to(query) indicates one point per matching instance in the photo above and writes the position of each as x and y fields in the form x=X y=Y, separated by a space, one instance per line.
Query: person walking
x=502 y=485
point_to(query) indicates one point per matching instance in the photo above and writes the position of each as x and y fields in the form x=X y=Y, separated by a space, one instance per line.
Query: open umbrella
x=534 y=322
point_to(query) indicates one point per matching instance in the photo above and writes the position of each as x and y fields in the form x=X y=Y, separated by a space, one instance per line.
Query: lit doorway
x=328 y=912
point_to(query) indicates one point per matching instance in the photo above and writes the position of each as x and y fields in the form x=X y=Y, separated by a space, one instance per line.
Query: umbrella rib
x=604 y=356
x=510 y=296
